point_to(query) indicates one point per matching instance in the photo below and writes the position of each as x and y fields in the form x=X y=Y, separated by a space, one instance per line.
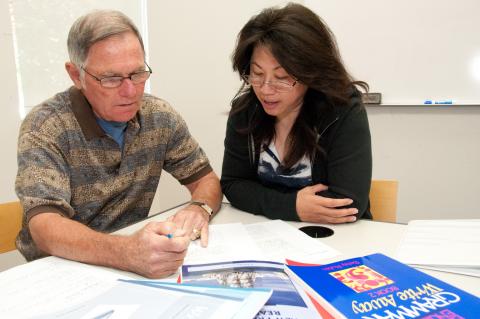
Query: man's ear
x=74 y=74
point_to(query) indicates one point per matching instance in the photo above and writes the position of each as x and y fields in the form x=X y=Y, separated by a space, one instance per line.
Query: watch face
x=207 y=209
x=204 y=206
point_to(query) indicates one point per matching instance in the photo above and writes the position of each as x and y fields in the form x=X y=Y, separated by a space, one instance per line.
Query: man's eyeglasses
x=115 y=81
x=258 y=81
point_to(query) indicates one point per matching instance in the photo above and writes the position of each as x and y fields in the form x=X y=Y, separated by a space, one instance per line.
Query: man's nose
x=128 y=88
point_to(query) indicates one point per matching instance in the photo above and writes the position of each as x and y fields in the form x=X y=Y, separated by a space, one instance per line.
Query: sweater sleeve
x=240 y=183
x=349 y=160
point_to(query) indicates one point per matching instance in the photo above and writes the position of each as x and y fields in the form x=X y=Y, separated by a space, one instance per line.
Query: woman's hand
x=318 y=209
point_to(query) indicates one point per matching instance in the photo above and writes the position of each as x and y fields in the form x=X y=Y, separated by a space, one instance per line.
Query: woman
x=297 y=145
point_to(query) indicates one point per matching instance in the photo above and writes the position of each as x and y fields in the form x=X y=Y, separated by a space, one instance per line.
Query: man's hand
x=153 y=254
x=194 y=221
x=318 y=209
x=148 y=252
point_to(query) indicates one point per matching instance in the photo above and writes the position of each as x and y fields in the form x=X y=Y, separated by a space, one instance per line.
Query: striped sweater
x=69 y=165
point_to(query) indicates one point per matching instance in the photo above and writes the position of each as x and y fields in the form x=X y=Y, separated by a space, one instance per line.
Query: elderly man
x=90 y=159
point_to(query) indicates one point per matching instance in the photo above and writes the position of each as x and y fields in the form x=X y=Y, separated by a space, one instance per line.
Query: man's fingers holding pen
x=163 y=265
x=150 y=252
x=162 y=228
x=166 y=236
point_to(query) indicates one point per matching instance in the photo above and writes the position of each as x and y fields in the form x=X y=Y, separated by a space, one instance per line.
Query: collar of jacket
x=330 y=118
x=321 y=129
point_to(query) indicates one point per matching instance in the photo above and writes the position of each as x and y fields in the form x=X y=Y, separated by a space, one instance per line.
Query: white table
x=357 y=239
x=352 y=240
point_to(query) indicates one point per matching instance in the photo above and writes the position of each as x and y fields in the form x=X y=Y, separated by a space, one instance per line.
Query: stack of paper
x=447 y=245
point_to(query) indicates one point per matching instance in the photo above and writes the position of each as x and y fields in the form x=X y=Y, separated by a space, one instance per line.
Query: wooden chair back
x=383 y=200
x=10 y=224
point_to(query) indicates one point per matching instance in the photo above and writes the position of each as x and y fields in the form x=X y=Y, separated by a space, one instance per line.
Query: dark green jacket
x=346 y=166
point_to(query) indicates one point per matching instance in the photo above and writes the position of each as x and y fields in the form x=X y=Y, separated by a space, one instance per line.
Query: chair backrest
x=10 y=224
x=383 y=200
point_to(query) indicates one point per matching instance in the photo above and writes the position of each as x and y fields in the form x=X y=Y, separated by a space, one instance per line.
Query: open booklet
x=156 y=299
x=287 y=301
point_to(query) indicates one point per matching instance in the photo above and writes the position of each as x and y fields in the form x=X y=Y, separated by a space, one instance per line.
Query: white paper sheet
x=469 y=271
x=272 y=240
x=278 y=240
x=45 y=285
x=225 y=242
x=448 y=245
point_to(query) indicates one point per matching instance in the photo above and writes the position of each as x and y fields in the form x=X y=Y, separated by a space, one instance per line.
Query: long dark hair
x=305 y=47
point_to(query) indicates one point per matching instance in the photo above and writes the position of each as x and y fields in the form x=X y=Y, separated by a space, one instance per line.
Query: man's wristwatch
x=204 y=206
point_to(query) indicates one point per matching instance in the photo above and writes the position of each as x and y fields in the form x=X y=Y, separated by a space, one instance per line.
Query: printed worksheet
x=272 y=240
x=278 y=241
x=49 y=284
x=226 y=242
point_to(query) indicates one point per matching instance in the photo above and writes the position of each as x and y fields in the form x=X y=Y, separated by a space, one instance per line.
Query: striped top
x=271 y=171
x=69 y=165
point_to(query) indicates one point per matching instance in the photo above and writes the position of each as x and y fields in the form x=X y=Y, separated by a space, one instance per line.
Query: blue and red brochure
x=379 y=287
x=286 y=301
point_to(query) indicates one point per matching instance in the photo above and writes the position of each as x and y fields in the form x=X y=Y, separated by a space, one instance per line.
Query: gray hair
x=96 y=26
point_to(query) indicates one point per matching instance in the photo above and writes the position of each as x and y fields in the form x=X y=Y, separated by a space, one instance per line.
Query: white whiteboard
x=409 y=50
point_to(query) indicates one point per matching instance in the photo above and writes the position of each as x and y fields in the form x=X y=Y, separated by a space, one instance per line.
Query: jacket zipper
x=326 y=128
